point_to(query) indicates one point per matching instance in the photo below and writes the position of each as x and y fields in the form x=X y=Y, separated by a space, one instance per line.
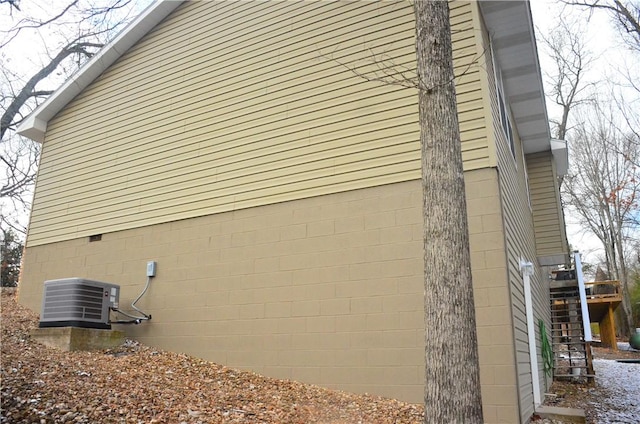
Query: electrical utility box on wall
x=78 y=302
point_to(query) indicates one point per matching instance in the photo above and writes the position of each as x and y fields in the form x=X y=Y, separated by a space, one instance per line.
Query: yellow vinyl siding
x=519 y=245
x=228 y=105
x=545 y=203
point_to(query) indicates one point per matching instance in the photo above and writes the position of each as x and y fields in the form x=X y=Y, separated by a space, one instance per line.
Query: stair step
x=563 y=283
x=573 y=376
x=573 y=361
x=566 y=300
x=573 y=366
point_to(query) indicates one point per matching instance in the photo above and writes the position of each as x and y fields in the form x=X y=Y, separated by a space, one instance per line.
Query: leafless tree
x=602 y=190
x=452 y=381
x=566 y=81
x=625 y=15
x=70 y=33
x=602 y=187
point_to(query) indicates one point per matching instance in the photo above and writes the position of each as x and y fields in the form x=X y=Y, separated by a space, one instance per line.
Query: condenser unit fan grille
x=86 y=301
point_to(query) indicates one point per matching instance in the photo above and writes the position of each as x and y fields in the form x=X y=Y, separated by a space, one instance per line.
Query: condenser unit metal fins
x=78 y=302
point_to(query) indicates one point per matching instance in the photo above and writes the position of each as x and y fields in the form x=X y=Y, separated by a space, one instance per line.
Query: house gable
x=225 y=106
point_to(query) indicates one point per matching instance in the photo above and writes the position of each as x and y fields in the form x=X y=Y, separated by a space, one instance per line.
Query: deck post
x=608 y=330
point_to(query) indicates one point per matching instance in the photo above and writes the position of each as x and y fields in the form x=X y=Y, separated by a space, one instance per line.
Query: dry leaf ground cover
x=138 y=384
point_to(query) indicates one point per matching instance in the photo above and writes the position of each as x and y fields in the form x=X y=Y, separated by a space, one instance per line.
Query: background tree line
x=597 y=113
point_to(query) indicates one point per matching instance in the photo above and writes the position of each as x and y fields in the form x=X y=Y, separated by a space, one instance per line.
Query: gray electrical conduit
x=135 y=319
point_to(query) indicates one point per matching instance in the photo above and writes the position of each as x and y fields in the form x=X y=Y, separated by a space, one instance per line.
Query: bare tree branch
x=571 y=59
x=12 y=3
x=33 y=24
x=388 y=72
x=69 y=35
x=28 y=89
x=626 y=15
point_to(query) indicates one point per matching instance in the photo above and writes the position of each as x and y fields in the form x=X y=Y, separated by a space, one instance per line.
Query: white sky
x=609 y=56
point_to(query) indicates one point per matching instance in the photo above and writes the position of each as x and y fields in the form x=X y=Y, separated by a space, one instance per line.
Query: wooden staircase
x=572 y=355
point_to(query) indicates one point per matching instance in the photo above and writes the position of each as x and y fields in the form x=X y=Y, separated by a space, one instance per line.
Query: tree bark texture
x=452 y=386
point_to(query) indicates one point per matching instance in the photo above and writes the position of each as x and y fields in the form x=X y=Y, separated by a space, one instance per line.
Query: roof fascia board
x=35 y=125
x=560 y=154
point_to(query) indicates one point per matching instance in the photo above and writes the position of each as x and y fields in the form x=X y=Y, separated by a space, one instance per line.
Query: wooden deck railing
x=604 y=290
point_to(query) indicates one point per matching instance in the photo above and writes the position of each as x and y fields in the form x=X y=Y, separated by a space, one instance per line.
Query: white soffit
x=35 y=125
x=511 y=29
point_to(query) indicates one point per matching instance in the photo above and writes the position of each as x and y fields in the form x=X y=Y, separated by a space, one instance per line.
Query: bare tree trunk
x=623 y=277
x=452 y=386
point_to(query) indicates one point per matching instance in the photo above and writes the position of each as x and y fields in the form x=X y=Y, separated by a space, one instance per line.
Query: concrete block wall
x=326 y=290
x=491 y=296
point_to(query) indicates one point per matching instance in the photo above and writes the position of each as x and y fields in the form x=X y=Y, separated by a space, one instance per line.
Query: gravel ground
x=615 y=396
x=620 y=384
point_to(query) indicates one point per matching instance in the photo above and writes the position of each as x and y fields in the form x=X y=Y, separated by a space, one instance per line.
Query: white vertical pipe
x=586 y=321
x=527 y=271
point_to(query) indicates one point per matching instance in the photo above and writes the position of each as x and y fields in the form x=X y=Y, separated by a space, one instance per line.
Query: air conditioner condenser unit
x=78 y=302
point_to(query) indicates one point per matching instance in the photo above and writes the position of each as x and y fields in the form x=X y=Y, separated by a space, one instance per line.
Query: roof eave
x=511 y=28
x=35 y=125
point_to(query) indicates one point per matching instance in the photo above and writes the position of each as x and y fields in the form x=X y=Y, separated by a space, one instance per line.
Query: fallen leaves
x=138 y=384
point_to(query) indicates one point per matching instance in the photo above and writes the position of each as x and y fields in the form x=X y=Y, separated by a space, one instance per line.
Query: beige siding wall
x=520 y=244
x=231 y=105
x=491 y=296
x=326 y=290
x=551 y=239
